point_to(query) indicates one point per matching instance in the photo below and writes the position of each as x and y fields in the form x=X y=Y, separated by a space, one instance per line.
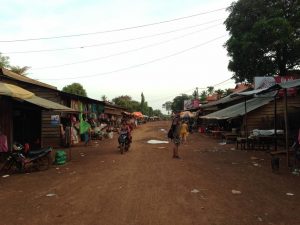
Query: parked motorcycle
x=124 y=142
x=19 y=161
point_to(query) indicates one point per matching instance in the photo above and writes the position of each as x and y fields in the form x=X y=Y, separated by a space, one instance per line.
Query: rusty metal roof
x=9 y=74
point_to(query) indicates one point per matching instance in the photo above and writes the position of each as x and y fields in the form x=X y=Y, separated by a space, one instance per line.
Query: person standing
x=85 y=130
x=175 y=135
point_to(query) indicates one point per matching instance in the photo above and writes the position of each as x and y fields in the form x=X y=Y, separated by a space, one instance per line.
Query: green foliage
x=264 y=38
x=20 y=70
x=76 y=89
x=4 y=61
x=127 y=102
x=177 y=104
x=156 y=112
x=167 y=106
x=210 y=90
x=220 y=92
x=227 y=92
x=144 y=105
x=203 y=96
x=104 y=98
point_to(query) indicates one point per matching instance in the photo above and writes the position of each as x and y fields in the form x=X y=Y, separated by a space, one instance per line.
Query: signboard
x=265 y=82
x=55 y=120
x=191 y=104
x=187 y=104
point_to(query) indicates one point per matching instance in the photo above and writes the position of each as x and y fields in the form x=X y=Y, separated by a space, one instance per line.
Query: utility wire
x=112 y=42
x=185 y=92
x=139 y=65
x=113 y=30
x=123 y=52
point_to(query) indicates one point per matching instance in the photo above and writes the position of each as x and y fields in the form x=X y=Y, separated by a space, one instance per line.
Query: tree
x=210 y=90
x=20 y=70
x=264 y=38
x=4 y=61
x=227 y=92
x=177 y=104
x=144 y=105
x=167 y=106
x=196 y=94
x=220 y=93
x=127 y=102
x=104 y=98
x=76 y=89
x=203 y=96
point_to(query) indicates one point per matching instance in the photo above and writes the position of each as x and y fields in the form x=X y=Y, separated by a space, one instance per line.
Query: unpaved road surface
x=146 y=186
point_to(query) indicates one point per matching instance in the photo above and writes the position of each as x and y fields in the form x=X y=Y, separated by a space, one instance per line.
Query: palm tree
x=220 y=93
x=210 y=90
x=20 y=70
x=104 y=98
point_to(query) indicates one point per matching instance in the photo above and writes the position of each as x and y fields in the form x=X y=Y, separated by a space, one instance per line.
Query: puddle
x=157 y=142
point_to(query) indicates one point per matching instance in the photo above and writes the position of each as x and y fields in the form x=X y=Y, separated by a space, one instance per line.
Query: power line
x=167 y=97
x=112 y=42
x=113 y=30
x=142 y=64
x=123 y=52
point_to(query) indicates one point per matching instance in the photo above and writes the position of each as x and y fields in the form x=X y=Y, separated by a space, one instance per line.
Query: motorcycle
x=124 y=142
x=19 y=161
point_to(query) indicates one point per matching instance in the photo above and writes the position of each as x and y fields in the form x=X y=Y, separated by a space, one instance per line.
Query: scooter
x=19 y=161
x=124 y=142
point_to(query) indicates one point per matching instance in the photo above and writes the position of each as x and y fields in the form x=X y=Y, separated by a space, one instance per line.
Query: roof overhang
x=49 y=105
x=239 y=109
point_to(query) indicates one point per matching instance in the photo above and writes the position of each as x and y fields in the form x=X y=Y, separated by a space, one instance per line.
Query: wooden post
x=275 y=122
x=286 y=128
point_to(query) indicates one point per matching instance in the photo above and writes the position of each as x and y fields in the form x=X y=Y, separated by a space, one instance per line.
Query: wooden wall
x=263 y=118
x=6 y=118
x=50 y=134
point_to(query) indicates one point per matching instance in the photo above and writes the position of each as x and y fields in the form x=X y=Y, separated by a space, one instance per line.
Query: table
x=230 y=136
x=217 y=133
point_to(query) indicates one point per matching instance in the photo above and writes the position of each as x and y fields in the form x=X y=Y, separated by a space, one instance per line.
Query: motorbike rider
x=125 y=128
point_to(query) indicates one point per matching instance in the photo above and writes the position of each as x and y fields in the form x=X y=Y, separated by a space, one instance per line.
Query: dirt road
x=146 y=186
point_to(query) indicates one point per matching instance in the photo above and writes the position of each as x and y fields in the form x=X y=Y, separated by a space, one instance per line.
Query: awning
x=238 y=109
x=14 y=91
x=49 y=105
x=20 y=93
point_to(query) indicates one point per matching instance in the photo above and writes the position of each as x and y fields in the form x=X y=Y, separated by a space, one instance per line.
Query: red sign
x=290 y=91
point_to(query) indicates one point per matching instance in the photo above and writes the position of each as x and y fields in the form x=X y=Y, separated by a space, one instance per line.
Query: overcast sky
x=162 y=48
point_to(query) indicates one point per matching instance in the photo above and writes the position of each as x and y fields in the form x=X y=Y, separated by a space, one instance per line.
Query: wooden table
x=230 y=136
x=217 y=133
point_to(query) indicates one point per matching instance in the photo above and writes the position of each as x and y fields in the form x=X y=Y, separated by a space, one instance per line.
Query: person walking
x=174 y=135
x=184 y=131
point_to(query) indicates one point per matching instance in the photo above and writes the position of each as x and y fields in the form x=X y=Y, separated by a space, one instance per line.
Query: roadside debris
x=6 y=175
x=157 y=142
x=289 y=194
x=51 y=195
x=236 y=192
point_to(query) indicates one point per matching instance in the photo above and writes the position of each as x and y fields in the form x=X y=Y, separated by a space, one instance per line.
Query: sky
x=120 y=47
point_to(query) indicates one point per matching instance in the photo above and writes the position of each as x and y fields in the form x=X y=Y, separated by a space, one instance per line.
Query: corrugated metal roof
x=18 y=77
x=46 y=104
x=238 y=109
x=287 y=84
x=224 y=100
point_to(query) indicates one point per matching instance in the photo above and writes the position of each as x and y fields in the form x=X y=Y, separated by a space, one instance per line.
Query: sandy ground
x=146 y=186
